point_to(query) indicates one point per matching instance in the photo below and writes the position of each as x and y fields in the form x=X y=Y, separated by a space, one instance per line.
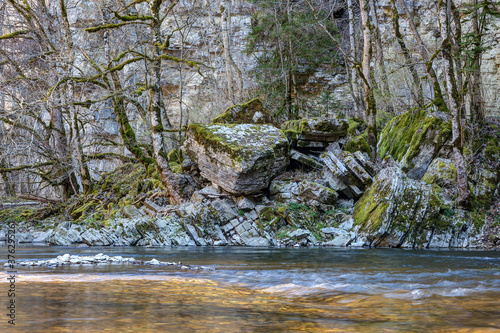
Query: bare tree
x=452 y=94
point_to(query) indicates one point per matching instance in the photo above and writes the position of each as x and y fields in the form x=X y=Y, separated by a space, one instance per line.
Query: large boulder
x=398 y=211
x=242 y=159
x=414 y=139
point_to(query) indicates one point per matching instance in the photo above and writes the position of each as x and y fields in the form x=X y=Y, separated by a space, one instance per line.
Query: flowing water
x=259 y=290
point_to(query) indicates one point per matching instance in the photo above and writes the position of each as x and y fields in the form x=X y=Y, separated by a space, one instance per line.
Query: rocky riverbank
x=309 y=183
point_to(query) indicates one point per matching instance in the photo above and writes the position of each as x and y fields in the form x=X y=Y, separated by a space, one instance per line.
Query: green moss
x=403 y=135
x=358 y=143
x=355 y=125
x=370 y=208
x=84 y=209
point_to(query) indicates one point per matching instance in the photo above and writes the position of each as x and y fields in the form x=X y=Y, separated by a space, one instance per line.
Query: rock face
x=242 y=159
x=401 y=212
x=251 y=112
x=414 y=140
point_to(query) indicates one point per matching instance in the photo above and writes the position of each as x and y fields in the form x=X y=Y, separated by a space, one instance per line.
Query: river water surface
x=259 y=290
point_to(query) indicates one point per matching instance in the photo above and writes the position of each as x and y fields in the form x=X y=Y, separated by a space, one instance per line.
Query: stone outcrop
x=349 y=174
x=241 y=159
x=398 y=211
x=415 y=139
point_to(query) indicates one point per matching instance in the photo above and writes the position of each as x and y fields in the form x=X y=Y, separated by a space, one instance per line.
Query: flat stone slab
x=242 y=159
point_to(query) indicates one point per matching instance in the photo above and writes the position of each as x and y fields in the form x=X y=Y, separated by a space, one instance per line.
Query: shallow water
x=261 y=290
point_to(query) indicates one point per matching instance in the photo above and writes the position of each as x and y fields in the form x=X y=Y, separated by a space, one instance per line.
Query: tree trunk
x=438 y=95
x=371 y=108
x=386 y=91
x=225 y=22
x=476 y=99
x=156 y=106
x=417 y=89
x=352 y=49
x=456 y=122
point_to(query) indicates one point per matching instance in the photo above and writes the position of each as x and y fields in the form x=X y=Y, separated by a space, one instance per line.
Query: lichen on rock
x=242 y=158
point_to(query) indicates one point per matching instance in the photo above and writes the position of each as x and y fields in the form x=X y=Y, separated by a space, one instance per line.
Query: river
x=259 y=290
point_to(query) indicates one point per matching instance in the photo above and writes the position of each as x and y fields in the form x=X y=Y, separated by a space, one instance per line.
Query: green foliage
x=289 y=46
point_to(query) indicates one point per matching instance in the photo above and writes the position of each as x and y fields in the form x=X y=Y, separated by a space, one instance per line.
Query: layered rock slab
x=398 y=211
x=242 y=159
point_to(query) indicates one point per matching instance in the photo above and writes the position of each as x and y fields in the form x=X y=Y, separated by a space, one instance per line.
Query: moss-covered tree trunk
x=156 y=106
x=456 y=121
x=127 y=133
x=371 y=107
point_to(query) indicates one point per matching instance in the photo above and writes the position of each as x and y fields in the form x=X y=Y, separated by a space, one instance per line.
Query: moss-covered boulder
x=251 y=112
x=303 y=132
x=241 y=159
x=399 y=212
x=414 y=139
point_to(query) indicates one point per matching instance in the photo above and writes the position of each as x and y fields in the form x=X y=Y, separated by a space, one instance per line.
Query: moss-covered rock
x=251 y=112
x=484 y=184
x=242 y=159
x=398 y=212
x=441 y=172
x=316 y=129
x=414 y=139
x=358 y=143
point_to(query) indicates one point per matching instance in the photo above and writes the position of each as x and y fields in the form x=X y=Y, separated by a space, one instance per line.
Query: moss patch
x=403 y=136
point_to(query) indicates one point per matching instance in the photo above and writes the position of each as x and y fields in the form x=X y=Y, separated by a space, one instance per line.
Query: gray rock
x=42 y=236
x=128 y=233
x=398 y=211
x=191 y=230
x=305 y=160
x=442 y=172
x=225 y=210
x=66 y=234
x=299 y=234
x=257 y=242
x=242 y=159
x=339 y=240
x=93 y=237
x=24 y=237
x=345 y=175
x=171 y=228
x=311 y=191
x=245 y=204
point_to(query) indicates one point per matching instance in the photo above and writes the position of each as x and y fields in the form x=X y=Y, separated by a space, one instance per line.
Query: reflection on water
x=264 y=290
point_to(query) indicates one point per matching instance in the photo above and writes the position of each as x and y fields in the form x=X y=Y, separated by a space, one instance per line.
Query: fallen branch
x=39 y=199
